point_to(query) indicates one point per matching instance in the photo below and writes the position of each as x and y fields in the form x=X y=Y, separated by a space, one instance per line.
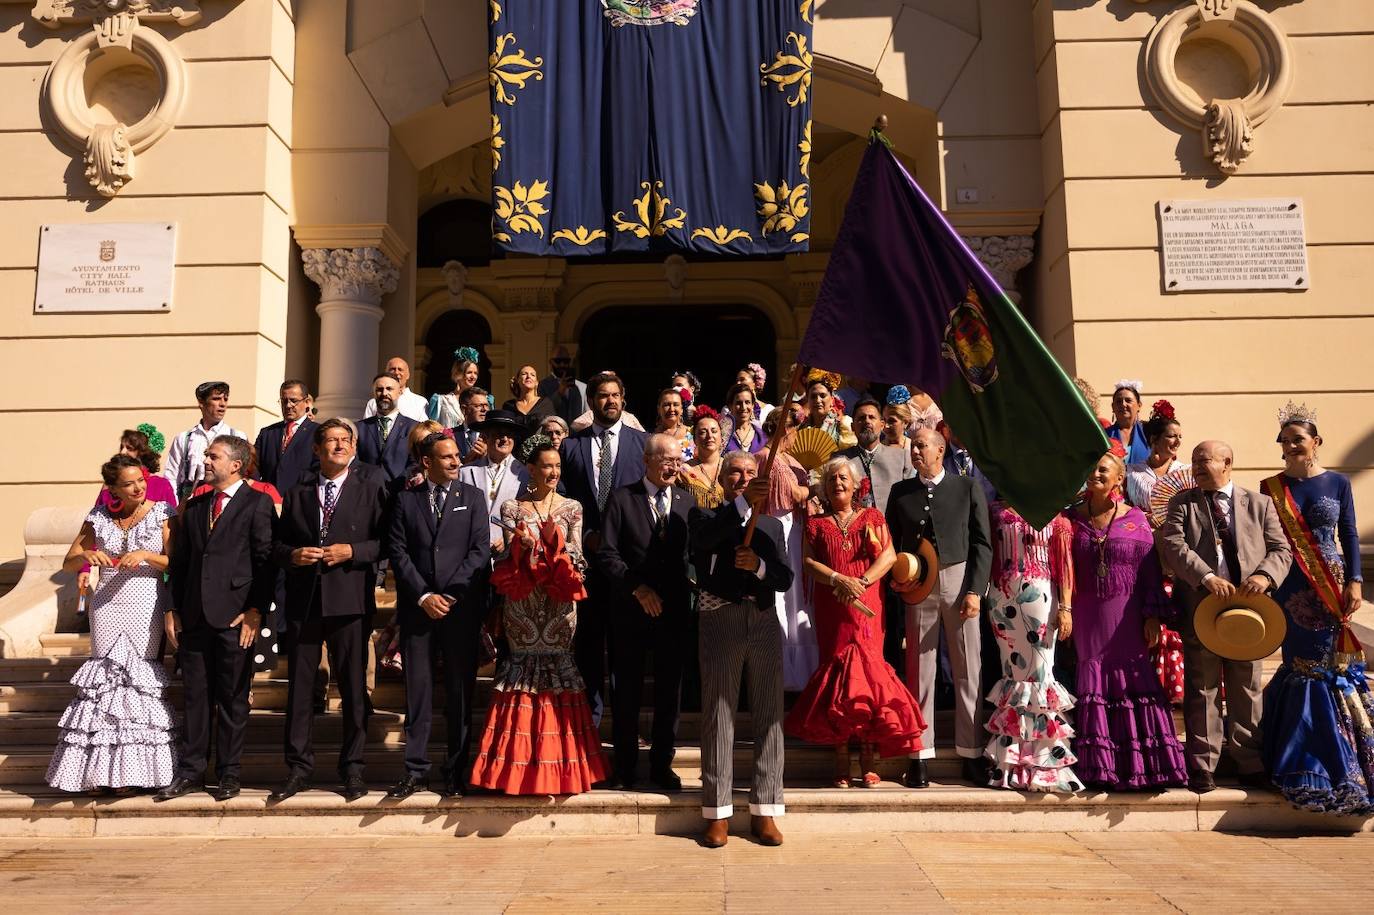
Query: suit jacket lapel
x=311 y=506
x=425 y=501
x=589 y=458
x=230 y=506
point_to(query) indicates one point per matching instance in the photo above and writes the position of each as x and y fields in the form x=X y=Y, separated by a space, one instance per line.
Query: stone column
x=352 y=282
x=1004 y=256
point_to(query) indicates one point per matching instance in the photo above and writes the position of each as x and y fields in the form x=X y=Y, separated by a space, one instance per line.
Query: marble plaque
x=1233 y=244
x=105 y=267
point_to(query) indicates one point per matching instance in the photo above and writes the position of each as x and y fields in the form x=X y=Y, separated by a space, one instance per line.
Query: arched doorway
x=645 y=344
x=449 y=331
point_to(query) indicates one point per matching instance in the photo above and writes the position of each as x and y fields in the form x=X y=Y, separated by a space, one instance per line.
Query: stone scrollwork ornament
x=1226 y=125
x=117 y=27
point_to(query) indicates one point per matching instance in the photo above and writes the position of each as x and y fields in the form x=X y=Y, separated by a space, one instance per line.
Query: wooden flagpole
x=779 y=434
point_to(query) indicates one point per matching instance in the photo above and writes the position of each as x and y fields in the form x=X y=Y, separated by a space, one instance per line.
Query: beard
x=867 y=438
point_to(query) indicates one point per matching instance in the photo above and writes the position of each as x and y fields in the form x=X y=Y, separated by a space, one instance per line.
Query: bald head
x=1212 y=465
x=928 y=450
x=662 y=458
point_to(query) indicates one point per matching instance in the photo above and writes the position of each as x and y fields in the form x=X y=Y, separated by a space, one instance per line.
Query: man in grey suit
x=952 y=513
x=1219 y=539
x=875 y=463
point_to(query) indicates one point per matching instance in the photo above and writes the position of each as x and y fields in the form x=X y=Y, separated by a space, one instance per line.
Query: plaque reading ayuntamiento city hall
x=1233 y=244
x=105 y=267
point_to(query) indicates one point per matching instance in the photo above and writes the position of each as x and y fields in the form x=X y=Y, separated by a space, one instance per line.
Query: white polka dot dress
x=118 y=731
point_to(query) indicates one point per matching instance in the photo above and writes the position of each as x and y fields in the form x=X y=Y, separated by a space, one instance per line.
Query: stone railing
x=44 y=601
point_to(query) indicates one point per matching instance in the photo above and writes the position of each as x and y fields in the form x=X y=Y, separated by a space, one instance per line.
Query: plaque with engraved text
x=105 y=267
x=1233 y=244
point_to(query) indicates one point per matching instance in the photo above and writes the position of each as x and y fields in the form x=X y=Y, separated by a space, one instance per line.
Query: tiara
x=466 y=354
x=532 y=442
x=1297 y=413
x=1133 y=383
x=897 y=395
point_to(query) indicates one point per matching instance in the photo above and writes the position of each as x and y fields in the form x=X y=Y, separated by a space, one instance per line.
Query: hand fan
x=811 y=447
x=1169 y=485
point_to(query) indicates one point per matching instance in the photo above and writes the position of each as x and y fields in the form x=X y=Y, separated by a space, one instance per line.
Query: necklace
x=1100 y=542
x=495 y=475
x=548 y=508
x=844 y=527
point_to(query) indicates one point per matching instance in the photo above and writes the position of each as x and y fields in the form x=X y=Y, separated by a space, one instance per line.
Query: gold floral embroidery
x=650 y=209
x=805 y=10
x=496 y=9
x=520 y=208
x=581 y=236
x=799 y=238
x=721 y=235
x=790 y=70
x=513 y=69
x=781 y=207
x=497 y=142
x=805 y=148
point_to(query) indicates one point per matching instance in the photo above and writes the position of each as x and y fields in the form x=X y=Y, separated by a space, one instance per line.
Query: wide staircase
x=34 y=692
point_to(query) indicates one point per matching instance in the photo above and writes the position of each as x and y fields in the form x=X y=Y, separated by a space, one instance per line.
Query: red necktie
x=290 y=431
x=217 y=508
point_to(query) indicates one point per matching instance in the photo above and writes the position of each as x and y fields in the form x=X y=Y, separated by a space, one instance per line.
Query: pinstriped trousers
x=735 y=637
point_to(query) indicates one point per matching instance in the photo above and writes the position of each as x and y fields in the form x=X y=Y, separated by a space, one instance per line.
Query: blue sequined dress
x=1318 y=741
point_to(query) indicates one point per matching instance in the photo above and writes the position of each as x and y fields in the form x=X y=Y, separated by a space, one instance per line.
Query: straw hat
x=922 y=566
x=1242 y=627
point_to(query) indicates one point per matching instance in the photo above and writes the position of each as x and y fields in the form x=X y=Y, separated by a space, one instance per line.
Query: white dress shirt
x=599 y=442
x=745 y=510
x=930 y=482
x=1228 y=505
x=408 y=404
x=186 y=456
x=338 y=485
x=499 y=484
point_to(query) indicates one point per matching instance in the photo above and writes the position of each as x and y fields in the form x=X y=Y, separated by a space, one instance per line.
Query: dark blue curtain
x=646 y=125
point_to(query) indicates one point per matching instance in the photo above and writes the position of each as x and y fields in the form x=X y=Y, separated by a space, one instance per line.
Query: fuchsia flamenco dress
x=854 y=693
x=539 y=736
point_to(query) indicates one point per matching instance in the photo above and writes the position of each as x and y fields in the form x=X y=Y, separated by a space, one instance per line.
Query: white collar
x=653 y=488
x=394 y=413
x=297 y=423
x=234 y=488
x=219 y=428
x=447 y=484
x=1229 y=490
x=337 y=481
x=936 y=481
x=743 y=507
x=599 y=430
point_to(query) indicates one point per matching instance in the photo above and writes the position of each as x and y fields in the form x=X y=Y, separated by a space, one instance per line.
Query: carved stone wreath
x=1227 y=125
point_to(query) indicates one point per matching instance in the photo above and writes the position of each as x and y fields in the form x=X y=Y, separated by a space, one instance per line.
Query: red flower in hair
x=705 y=412
x=1162 y=408
x=837 y=405
x=686 y=394
x=1118 y=449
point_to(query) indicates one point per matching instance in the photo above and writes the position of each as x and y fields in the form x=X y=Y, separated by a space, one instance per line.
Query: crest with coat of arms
x=649 y=12
x=107 y=250
x=968 y=342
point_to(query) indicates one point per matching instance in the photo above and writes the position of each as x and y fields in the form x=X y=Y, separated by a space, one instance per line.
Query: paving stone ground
x=1204 y=872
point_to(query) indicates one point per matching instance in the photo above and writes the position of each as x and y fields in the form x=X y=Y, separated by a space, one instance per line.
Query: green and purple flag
x=905 y=301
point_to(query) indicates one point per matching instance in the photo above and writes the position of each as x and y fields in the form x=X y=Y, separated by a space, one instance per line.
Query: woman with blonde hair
x=1125 y=728
x=445 y=407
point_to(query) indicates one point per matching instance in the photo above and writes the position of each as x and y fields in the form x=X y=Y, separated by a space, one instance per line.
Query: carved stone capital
x=352 y=274
x=1004 y=256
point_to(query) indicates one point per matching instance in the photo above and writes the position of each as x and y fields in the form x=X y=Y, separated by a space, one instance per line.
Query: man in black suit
x=597 y=461
x=474 y=402
x=222 y=579
x=440 y=548
x=328 y=539
x=286 y=450
x=740 y=631
x=950 y=511
x=643 y=557
x=382 y=438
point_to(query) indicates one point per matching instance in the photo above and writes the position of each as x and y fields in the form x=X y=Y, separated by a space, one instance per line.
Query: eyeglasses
x=292 y=401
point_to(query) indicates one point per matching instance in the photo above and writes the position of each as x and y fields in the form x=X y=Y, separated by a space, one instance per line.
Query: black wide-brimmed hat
x=504 y=421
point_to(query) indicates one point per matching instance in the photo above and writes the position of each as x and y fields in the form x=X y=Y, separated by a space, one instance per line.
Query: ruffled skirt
x=118 y=731
x=1126 y=736
x=1318 y=740
x=539 y=736
x=857 y=695
x=1029 y=749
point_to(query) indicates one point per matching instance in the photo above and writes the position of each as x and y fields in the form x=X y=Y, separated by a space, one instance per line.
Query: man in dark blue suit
x=474 y=402
x=382 y=438
x=440 y=548
x=286 y=449
x=597 y=461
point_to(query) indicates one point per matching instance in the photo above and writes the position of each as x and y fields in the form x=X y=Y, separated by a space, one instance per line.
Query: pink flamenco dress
x=539 y=736
x=854 y=693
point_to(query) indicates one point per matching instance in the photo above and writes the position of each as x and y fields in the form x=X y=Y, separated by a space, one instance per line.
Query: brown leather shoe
x=766 y=831
x=717 y=833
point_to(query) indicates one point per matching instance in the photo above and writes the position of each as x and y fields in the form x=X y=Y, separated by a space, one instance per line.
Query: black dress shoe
x=668 y=780
x=976 y=771
x=916 y=774
x=293 y=785
x=179 y=787
x=228 y=787
x=318 y=706
x=455 y=789
x=620 y=782
x=407 y=786
x=354 y=787
x=1258 y=780
x=1201 y=782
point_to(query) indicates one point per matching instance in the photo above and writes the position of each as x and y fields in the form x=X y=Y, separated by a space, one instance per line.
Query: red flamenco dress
x=853 y=693
x=539 y=736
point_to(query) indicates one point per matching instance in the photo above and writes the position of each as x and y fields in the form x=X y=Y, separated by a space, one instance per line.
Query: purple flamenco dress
x=1125 y=728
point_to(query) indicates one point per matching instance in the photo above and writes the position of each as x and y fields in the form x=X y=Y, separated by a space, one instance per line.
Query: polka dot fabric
x=118 y=731
x=1168 y=658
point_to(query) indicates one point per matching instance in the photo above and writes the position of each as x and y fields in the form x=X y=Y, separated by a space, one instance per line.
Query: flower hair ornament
x=532 y=442
x=686 y=394
x=898 y=395
x=830 y=379
x=156 y=440
x=760 y=376
x=837 y=405
x=1162 y=409
x=466 y=354
x=1134 y=384
x=705 y=412
x=1291 y=413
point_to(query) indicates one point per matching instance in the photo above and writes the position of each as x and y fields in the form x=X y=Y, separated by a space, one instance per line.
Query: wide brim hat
x=1242 y=627
x=922 y=566
x=504 y=421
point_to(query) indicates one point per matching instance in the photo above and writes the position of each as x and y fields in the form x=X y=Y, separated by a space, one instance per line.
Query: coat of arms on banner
x=649 y=12
x=968 y=342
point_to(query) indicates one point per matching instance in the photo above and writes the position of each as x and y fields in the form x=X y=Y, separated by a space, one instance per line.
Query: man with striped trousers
x=739 y=631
